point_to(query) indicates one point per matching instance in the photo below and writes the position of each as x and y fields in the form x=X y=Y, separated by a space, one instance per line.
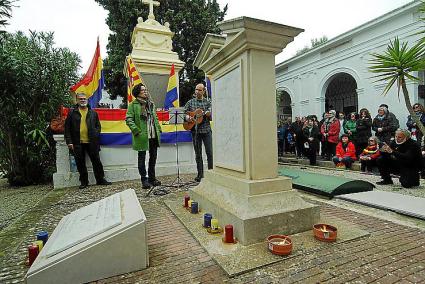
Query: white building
x=335 y=75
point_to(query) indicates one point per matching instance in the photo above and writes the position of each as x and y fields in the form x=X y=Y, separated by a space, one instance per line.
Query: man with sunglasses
x=82 y=131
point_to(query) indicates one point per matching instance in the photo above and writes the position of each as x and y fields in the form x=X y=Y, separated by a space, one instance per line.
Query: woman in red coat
x=330 y=131
x=345 y=153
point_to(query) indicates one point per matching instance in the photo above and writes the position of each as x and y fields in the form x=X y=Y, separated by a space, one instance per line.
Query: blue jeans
x=347 y=161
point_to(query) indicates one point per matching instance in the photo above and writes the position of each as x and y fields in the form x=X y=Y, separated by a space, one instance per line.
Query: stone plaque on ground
x=85 y=223
x=103 y=239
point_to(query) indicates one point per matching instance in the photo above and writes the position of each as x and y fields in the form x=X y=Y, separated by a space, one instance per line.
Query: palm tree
x=396 y=65
x=5 y=12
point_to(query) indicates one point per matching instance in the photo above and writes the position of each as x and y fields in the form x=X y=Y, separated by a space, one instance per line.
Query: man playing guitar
x=196 y=108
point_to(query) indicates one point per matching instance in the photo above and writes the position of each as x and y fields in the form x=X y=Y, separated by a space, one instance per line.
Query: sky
x=78 y=23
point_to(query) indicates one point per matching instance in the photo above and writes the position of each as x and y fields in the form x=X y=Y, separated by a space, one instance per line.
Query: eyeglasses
x=371 y=140
x=198 y=90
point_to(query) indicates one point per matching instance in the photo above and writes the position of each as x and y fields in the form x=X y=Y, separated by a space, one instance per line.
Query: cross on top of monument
x=151 y=3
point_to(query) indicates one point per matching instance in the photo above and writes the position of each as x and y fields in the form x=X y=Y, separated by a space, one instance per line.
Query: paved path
x=393 y=253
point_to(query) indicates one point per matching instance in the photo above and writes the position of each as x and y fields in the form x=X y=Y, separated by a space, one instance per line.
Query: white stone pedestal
x=101 y=240
x=120 y=163
x=244 y=189
x=256 y=209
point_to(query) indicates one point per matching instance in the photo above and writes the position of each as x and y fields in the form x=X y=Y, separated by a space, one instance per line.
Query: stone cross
x=151 y=3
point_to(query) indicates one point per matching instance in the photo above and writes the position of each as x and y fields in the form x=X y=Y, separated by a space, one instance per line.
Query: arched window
x=341 y=94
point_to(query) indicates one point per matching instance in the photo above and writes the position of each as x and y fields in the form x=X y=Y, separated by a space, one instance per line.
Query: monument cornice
x=243 y=34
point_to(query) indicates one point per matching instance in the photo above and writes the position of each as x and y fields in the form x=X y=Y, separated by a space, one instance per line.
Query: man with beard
x=82 y=131
x=402 y=156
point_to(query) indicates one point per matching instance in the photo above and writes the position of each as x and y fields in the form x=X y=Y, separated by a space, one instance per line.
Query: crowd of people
x=345 y=139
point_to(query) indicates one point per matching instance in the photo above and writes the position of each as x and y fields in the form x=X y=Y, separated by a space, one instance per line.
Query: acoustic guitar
x=198 y=116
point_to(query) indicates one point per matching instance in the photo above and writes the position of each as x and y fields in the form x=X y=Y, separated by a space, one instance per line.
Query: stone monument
x=103 y=239
x=244 y=189
x=152 y=53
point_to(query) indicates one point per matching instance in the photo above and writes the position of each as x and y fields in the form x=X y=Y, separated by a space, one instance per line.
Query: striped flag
x=208 y=86
x=116 y=132
x=172 y=96
x=133 y=77
x=92 y=83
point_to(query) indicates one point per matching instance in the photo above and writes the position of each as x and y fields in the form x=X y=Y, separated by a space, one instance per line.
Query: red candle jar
x=186 y=200
x=228 y=234
x=32 y=254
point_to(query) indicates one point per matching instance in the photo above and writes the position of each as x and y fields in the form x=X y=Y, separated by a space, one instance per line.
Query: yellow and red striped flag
x=133 y=77
x=92 y=83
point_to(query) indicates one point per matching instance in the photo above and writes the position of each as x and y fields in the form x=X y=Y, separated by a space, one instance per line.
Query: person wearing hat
x=143 y=122
x=345 y=153
x=82 y=131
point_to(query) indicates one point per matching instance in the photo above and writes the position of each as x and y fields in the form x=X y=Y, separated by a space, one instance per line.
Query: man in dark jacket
x=401 y=156
x=82 y=130
x=311 y=134
x=297 y=130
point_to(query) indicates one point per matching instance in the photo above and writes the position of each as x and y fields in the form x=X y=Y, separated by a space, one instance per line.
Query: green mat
x=325 y=185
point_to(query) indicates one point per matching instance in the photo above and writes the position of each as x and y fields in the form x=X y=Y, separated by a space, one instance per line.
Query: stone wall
x=120 y=163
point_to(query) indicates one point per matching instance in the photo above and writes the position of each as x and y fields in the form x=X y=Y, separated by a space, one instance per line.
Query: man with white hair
x=82 y=131
x=402 y=156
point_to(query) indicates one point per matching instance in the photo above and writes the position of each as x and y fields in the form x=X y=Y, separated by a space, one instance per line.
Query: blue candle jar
x=42 y=236
x=207 y=220
x=194 y=207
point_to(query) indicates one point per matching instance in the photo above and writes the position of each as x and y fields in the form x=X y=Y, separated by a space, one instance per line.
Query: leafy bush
x=34 y=81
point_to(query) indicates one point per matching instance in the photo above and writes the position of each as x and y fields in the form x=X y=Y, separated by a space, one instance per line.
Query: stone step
x=292 y=159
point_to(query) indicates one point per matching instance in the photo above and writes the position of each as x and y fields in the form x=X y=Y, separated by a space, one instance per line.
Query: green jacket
x=351 y=125
x=139 y=126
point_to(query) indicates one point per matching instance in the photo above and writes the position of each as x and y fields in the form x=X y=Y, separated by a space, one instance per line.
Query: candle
x=39 y=244
x=194 y=207
x=207 y=220
x=186 y=200
x=214 y=224
x=43 y=236
x=32 y=254
x=228 y=234
x=189 y=203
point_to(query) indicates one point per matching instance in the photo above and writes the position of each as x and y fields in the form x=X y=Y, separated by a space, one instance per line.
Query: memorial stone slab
x=103 y=239
x=404 y=204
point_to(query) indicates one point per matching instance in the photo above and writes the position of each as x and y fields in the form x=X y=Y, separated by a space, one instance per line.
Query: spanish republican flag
x=133 y=77
x=93 y=81
x=172 y=96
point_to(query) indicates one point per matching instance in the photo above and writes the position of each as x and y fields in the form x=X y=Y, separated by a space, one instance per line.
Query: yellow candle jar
x=39 y=244
x=214 y=224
